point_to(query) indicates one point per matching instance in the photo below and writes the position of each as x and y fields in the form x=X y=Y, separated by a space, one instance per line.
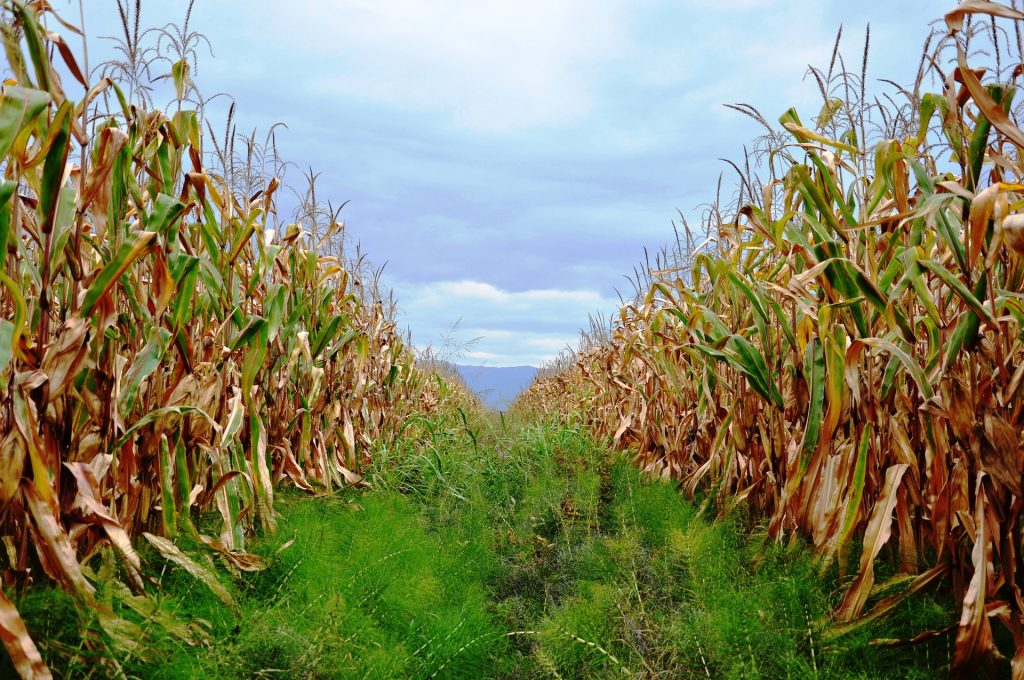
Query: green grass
x=535 y=554
x=362 y=590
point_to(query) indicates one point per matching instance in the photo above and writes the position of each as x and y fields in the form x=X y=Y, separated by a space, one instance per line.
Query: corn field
x=163 y=347
x=845 y=354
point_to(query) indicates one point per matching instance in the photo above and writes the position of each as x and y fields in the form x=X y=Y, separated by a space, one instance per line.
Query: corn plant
x=847 y=357
x=163 y=349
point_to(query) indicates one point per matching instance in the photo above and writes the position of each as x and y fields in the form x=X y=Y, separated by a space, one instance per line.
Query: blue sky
x=510 y=160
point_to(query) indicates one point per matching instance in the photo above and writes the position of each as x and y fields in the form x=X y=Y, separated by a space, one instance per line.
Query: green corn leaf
x=957 y=286
x=830 y=184
x=34 y=41
x=892 y=270
x=867 y=288
x=924 y=296
x=253 y=362
x=325 y=335
x=915 y=370
x=930 y=102
x=6 y=344
x=179 y=73
x=813 y=197
x=856 y=491
x=255 y=325
x=165 y=213
x=53 y=167
x=20 y=311
x=752 y=364
x=814 y=373
x=19 y=106
x=748 y=292
x=718 y=327
x=131 y=250
x=183 y=487
x=946 y=230
x=145 y=363
x=964 y=334
x=889 y=377
x=62 y=223
x=783 y=322
x=184 y=272
x=277 y=294
x=247 y=232
x=155 y=415
x=168 y=512
x=6 y=193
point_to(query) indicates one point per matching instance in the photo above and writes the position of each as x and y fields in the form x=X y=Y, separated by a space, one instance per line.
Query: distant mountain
x=497 y=386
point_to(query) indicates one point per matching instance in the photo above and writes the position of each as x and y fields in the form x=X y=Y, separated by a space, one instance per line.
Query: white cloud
x=471 y=292
x=511 y=328
x=489 y=65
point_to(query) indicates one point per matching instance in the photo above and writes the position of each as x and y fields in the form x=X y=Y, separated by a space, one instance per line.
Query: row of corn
x=846 y=359
x=166 y=345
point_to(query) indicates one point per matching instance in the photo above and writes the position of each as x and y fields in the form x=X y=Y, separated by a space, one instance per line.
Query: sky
x=509 y=161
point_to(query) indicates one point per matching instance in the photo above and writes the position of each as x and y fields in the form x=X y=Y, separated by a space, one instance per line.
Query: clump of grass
x=378 y=595
x=664 y=591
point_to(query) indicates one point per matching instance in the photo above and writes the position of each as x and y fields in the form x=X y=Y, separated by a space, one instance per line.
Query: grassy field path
x=496 y=554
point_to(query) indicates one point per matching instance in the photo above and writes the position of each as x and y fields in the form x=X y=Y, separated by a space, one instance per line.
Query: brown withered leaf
x=97 y=184
x=349 y=439
x=12 y=465
x=236 y=559
x=87 y=502
x=989 y=108
x=23 y=652
x=959 y=409
x=162 y=284
x=920 y=637
x=291 y=468
x=53 y=545
x=988 y=203
x=26 y=423
x=878 y=531
x=1002 y=455
x=65 y=355
x=1013 y=232
x=887 y=605
x=955 y=18
x=174 y=554
x=974 y=642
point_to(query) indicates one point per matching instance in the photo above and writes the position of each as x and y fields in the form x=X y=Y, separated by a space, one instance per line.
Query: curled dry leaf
x=12 y=465
x=1013 y=232
x=974 y=642
x=955 y=18
x=175 y=555
x=1002 y=455
x=23 y=652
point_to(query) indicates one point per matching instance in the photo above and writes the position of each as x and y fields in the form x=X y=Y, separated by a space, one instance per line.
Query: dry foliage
x=847 y=356
x=162 y=349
